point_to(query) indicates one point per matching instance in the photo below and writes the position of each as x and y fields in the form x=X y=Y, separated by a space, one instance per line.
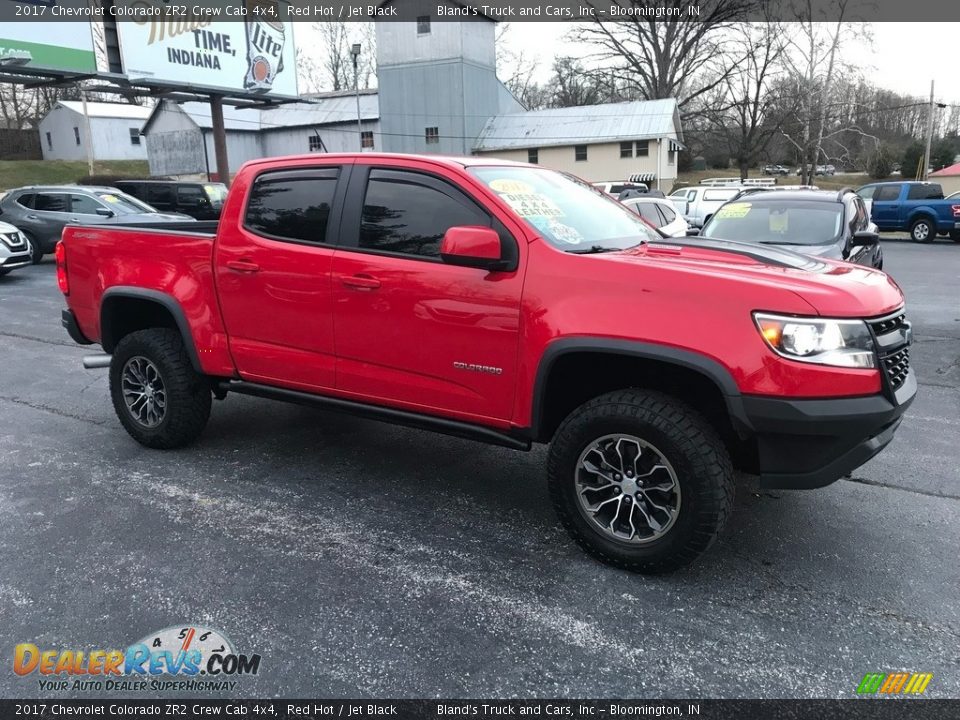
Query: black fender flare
x=167 y=302
x=711 y=369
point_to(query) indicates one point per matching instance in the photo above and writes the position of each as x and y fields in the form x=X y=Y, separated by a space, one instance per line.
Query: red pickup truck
x=509 y=304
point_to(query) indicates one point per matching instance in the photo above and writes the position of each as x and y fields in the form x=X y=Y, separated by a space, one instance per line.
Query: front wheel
x=922 y=231
x=162 y=402
x=36 y=252
x=640 y=480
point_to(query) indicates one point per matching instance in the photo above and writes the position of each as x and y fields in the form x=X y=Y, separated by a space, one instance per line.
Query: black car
x=200 y=200
x=824 y=223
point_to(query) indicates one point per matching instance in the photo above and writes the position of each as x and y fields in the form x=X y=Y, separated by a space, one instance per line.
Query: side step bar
x=375 y=412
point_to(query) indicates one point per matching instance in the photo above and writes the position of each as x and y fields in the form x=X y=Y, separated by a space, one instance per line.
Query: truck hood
x=831 y=287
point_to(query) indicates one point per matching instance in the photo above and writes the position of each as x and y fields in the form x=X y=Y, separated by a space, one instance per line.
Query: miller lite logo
x=265 y=40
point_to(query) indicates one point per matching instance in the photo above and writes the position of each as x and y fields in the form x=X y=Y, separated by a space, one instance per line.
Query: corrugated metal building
x=599 y=143
x=179 y=137
x=114 y=131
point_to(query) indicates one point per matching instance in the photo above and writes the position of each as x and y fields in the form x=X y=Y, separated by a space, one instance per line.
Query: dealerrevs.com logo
x=180 y=658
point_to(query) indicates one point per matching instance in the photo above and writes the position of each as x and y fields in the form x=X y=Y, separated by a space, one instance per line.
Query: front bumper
x=811 y=443
x=18 y=260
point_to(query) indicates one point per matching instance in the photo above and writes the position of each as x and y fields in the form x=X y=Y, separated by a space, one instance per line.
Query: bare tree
x=517 y=70
x=746 y=109
x=327 y=64
x=678 y=57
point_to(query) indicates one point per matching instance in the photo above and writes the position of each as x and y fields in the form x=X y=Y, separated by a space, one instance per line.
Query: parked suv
x=823 y=223
x=41 y=212
x=202 y=201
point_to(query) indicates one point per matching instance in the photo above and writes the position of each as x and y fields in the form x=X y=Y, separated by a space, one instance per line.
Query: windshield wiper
x=594 y=249
x=778 y=242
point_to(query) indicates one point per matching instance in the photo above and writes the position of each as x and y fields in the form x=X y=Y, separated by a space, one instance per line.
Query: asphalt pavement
x=365 y=560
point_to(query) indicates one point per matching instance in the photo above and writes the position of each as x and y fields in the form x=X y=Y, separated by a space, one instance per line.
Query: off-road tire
x=685 y=439
x=188 y=394
x=923 y=230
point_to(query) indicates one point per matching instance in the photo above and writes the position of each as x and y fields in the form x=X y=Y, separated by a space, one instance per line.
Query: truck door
x=411 y=330
x=885 y=211
x=272 y=267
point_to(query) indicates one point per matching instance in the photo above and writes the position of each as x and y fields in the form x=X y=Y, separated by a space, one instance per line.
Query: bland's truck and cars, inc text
x=513 y=305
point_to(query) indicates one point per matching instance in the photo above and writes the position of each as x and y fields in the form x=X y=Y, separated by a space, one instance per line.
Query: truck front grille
x=897 y=366
x=895 y=352
x=14 y=241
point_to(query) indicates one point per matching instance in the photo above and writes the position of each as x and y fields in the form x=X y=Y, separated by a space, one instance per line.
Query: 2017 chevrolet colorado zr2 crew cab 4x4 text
x=510 y=304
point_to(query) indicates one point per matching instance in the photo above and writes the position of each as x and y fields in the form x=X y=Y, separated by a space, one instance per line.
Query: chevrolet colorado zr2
x=513 y=305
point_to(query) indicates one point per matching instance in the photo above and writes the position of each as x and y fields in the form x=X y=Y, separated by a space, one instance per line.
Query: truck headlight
x=841 y=343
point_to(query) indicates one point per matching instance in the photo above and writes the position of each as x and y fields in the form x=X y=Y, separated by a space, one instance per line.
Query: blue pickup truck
x=917 y=207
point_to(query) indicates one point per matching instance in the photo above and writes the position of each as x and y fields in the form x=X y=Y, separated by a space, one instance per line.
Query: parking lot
x=366 y=560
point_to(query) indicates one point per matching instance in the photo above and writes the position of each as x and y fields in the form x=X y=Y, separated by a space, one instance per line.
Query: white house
x=616 y=141
x=114 y=131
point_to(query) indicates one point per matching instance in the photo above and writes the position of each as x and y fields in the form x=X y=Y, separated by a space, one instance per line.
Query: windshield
x=216 y=192
x=786 y=222
x=123 y=204
x=568 y=213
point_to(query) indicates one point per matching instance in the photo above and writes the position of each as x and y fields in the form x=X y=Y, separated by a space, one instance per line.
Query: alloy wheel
x=143 y=391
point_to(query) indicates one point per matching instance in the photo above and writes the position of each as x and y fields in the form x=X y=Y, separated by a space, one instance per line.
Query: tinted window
x=51 y=202
x=159 y=195
x=648 y=211
x=925 y=192
x=292 y=206
x=887 y=192
x=84 y=205
x=26 y=200
x=403 y=214
x=191 y=196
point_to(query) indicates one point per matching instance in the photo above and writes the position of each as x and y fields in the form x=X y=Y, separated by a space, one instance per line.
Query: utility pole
x=355 y=52
x=219 y=139
x=926 y=153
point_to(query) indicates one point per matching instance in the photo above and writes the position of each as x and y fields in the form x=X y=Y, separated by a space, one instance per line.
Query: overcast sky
x=903 y=57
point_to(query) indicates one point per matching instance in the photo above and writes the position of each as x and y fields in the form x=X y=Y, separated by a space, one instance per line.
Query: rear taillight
x=61 y=255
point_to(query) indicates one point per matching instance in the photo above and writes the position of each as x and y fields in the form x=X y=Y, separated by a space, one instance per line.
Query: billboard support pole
x=87 y=132
x=219 y=139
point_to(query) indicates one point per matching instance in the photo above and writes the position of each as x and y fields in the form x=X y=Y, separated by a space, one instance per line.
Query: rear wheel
x=640 y=480
x=158 y=396
x=922 y=231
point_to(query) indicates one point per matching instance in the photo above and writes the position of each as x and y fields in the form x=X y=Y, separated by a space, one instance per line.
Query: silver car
x=41 y=212
x=14 y=249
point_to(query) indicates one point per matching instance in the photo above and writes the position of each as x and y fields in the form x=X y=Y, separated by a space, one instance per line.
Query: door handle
x=242 y=266
x=360 y=282
x=32 y=217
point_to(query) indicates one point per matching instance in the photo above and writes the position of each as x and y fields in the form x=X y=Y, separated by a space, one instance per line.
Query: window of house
x=432 y=135
x=314 y=143
x=134 y=136
x=579 y=153
x=76 y=134
x=626 y=149
x=671 y=156
x=366 y=139
x=423 y=25
x=49 y=142
x=292 y=205
x=408 y=213
x=533 y=156
x=643 y=148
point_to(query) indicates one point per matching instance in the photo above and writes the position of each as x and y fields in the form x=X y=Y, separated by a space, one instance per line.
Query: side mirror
x=865 y=238
x=105 y=212
x=472 y=246
x=693 y=231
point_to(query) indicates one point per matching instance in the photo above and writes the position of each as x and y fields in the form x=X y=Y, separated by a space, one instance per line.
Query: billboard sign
x=254 y=55
x=51 y=45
